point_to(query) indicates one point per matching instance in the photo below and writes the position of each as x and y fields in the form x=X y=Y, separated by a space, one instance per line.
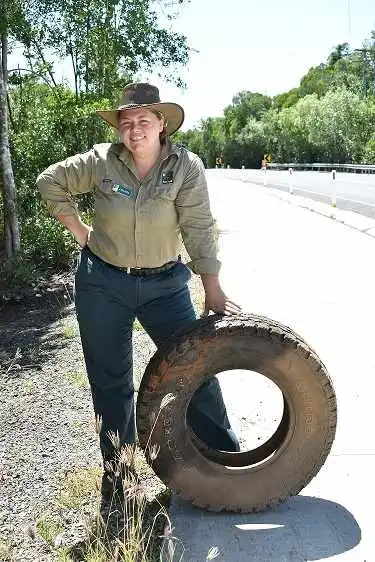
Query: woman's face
x=139 y=130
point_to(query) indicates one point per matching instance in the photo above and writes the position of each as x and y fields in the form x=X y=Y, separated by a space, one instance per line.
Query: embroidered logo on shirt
x=167 y=177
x=124 y=190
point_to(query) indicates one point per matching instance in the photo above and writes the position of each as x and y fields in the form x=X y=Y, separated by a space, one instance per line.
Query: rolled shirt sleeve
x=59 y=182
x=197 y=225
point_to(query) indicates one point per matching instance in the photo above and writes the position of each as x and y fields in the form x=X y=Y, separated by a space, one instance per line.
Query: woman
x=147 y=191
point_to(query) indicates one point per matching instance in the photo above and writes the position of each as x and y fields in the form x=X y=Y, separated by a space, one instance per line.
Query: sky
x=257 y=46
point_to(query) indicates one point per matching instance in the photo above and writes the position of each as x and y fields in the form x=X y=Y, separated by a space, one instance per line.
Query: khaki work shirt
x=138 y=223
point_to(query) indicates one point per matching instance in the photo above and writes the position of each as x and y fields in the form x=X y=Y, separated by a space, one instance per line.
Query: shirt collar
x=168 y=149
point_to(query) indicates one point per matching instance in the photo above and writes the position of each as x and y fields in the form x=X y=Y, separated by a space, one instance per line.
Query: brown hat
x=139 y=95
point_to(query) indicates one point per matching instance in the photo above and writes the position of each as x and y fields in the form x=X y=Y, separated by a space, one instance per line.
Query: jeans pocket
x=181 y=273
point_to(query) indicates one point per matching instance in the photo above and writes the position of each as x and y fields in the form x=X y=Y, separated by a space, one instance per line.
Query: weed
x=129 y=525
x=79 y=425
x=70 y=331
x=78 y=379
x=63 y=555
x=13 y=364
x=5 y=552
x=137 y=326
x=213 y=553
x=77 y=487
x=49 y=528
x=29 y=385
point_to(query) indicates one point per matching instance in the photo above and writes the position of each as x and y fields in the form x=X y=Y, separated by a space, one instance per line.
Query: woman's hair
x=163 y=134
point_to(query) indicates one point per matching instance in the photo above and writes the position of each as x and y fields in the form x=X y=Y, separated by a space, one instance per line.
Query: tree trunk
x=11 y=227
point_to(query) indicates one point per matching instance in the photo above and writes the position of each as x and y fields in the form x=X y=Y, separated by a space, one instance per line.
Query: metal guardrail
x=354 y=168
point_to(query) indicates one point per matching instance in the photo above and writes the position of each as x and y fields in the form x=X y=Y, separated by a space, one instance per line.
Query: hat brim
x=173 y=113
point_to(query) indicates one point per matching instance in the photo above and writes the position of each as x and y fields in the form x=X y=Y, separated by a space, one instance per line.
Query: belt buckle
x=134 y=269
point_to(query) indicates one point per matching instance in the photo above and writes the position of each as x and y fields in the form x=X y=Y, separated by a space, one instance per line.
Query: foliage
x=329 y=116
x=335 y=128
x=106 y=41
x=245 y=105
x=48 y=125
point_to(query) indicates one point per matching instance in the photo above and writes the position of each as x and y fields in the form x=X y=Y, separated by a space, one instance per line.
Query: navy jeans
x=107 y=303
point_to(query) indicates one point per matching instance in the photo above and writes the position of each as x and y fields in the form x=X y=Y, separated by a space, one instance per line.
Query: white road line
x=338 y=197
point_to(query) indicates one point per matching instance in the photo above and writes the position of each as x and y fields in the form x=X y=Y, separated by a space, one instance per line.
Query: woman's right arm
x=58 y=183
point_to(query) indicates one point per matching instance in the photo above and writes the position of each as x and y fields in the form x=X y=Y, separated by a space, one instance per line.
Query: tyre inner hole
x=258 y=415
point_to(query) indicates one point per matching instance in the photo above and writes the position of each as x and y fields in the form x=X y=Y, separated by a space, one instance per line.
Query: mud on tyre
x=245 y=481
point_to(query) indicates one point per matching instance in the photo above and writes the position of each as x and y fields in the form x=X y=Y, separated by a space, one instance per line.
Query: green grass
x=77 y=487
x=49 y=528
x=78 y=378
x=63 y=555
x=129 y=531
x=70 y=330
x=137 y=326
x=29 y=386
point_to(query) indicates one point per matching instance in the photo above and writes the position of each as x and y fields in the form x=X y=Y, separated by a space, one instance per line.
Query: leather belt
x=138 y=271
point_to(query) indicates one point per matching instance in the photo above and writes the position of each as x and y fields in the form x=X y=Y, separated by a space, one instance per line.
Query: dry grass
x=77 y=487
x=127 y=527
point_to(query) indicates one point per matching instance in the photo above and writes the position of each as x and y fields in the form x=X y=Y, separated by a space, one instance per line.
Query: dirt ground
x=47 y=428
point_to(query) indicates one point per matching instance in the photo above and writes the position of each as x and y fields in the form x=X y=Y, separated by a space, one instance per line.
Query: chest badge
x=167 y=177
x=124 y=190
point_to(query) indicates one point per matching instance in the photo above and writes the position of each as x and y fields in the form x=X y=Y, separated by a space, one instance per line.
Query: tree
x=107 y=41
x=340 y=51
x=213 y=139
x=244 y=105
x=11 y=235
x=193 y=140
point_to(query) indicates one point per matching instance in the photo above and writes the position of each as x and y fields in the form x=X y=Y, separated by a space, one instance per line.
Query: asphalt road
x=353 y=192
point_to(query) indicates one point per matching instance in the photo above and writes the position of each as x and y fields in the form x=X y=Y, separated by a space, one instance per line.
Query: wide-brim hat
x=145 y=96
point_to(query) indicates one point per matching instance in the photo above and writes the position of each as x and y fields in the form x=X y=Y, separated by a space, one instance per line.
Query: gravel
x=46 y=417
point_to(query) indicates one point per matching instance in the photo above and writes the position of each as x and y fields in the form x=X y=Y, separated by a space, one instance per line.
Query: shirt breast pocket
x=168 y=192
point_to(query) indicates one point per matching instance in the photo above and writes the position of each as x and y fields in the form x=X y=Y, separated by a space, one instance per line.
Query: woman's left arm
x=198 y=232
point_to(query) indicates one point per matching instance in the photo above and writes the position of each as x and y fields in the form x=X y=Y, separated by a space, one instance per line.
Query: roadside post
x=333 y=197
x=264 y=169
x=267 y=159
x=290 y=178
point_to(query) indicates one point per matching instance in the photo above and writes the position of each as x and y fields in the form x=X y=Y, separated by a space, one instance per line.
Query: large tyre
x=244 y=481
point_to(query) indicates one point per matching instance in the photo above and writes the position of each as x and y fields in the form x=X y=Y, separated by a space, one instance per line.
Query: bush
x=47 y=126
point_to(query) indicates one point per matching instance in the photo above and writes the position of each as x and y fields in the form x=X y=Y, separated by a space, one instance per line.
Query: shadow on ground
x=27 y=325
x=304 y=528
